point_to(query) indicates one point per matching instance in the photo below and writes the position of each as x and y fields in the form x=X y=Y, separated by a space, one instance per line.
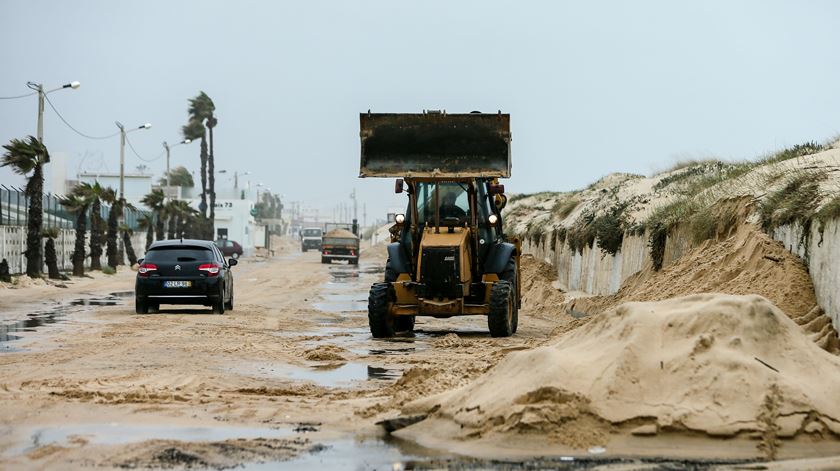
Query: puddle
x=329 y=375
x=392 y=351
x=341 y=306
x=354 y=455
x=58 y=314
x=118 y=434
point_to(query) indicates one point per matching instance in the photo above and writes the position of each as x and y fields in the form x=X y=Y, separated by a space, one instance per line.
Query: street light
x=41 y=94
x=123 y=132
x=167 y=147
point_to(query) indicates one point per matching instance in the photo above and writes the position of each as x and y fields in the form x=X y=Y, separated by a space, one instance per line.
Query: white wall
x=596 y=273
x=13 y=244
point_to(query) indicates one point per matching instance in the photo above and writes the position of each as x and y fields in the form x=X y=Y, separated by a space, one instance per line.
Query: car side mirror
x=140 y=261
x=496 y=189
x=233 y=262
x=398 y=185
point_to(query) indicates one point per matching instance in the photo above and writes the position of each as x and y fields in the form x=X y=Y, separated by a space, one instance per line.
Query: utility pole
x=166 y=146
x=41 y=95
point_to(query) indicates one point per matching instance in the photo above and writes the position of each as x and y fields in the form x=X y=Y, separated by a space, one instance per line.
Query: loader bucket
x=435 y=145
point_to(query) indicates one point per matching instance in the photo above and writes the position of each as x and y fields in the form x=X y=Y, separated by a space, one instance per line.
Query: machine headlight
x=493 y=219
x=399 y=218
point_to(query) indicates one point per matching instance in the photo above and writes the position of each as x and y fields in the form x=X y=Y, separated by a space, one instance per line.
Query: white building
x=137 y=185
x=235 y=221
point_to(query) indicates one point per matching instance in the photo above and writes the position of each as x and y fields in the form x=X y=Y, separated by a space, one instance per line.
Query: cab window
x=454 y=202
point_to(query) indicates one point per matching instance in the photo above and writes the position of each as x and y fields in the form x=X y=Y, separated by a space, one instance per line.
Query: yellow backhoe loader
x=449 y=255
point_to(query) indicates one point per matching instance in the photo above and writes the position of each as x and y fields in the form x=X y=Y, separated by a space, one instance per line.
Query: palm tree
x=50 y=257
x=155 y=202
x=129 y=249
x=171 y=211
x=97 y=193
x=146 y=222
x=201 y=109
x=110 y=196
x=78 y=203
x=186 y=215
x=24 y=156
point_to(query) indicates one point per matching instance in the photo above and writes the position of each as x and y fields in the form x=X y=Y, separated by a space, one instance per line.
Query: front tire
x=500 y=317
x=509 y=275
x=325 y=260
x=380 y=320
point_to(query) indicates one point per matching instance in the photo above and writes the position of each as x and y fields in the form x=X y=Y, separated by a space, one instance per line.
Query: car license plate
x=177 y=284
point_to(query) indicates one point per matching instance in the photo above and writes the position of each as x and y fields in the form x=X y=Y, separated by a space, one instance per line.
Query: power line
x=74 y=129
x=16 y=97
x=138 y=155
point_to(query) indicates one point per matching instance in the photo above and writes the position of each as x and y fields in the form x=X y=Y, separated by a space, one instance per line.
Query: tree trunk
x=159 y=225
x=113 y=214
x=211 y=175
x=129 y=249
x=5 y=276
x=51 y=259
x=150 y=236
x=96 y=235
x=79 y=248
x=35 y=192
x=173 y=226
x=203 y=156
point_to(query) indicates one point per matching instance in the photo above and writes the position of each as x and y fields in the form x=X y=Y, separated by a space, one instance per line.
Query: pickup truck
x=340 y=244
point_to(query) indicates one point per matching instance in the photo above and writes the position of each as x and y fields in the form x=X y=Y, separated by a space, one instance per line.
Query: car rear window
x=179 y=253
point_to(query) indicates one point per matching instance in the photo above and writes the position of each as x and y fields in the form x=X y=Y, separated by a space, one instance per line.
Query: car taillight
x=146 y=269
x=326 y=252
x=211 y=268
x=352 y=252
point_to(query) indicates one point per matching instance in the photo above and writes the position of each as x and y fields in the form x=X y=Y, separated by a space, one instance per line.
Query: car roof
x=174 y=242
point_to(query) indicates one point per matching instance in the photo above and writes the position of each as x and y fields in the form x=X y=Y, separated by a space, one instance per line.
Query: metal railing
x=14 y=211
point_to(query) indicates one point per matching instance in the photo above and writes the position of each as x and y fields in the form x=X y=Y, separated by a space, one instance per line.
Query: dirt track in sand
x=295 y=350
x=290 y=371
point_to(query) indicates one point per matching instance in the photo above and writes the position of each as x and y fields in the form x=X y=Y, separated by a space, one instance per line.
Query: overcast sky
x=592 y=87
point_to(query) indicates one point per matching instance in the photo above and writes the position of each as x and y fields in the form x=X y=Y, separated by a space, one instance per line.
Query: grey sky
x=592 y=87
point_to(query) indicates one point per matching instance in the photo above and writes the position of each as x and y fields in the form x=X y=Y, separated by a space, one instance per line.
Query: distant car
x=229 y=248
x=184 y=271
x=310 y=238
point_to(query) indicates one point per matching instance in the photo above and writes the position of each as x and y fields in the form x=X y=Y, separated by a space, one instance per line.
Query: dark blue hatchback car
x=184 y=271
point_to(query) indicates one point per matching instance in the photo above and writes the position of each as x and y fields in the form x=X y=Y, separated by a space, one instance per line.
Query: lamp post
x=167 y=147
x=123 y=132
x=41 y=94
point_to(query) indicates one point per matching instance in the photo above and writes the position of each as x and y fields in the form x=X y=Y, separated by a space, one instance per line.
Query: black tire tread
x=381 y=323
x=497 y=318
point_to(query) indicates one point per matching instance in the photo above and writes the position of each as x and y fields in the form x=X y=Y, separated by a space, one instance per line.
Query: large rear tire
x=500 y=317
x=381 y=322
x=404 y=324
x=325 y=260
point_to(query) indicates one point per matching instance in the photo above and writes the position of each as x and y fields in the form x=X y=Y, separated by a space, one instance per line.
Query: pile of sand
x=718 y=364
x=748 y=262
x=25 y=281
x=539 y=295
